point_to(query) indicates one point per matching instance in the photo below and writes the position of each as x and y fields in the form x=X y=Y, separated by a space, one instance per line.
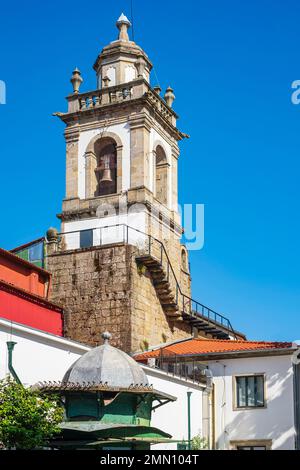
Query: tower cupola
x=122 y=61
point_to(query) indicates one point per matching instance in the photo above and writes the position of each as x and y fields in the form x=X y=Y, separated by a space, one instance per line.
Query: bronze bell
x=106 y=176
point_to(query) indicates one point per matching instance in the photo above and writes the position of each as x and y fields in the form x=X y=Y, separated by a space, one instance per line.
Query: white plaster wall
x=110 y=234
x=123 y=131
x=155 y=137
x=146 y=75
x=130 y=73
x=111 y=74
x=37 y=356
x=173 y=417
x=275 y=422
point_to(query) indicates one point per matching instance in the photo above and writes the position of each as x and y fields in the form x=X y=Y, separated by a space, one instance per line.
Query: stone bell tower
x=118 y=263
x=122 y=147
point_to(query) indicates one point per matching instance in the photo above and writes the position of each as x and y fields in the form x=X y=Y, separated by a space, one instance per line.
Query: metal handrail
x=189 y=305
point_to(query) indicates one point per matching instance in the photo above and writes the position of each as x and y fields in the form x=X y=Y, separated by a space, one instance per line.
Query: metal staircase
x=152 y=254
x=161 y=284
x=175 y=303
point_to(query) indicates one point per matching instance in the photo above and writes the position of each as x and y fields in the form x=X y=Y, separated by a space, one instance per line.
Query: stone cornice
x=139 y=195
x=156 y=106
x=72 y=119
x=119 y=48
x=137 y=121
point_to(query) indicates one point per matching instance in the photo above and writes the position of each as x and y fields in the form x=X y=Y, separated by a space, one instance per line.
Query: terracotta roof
x=199 y=346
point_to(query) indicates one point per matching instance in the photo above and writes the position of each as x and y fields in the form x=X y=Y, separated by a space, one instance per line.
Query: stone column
x=119 y=149
x=72 y=137
x=174 y=176
x=90 y=176
x=139 y=151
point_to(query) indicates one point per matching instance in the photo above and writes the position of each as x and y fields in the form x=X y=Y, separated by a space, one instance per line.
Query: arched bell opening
x=106 y=169
x=161 y=175
x=103 y=166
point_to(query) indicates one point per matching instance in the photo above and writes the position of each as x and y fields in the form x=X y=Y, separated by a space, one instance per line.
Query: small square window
x=86 y=238
x=250 y=391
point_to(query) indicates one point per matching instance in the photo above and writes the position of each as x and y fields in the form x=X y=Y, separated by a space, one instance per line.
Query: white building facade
x=254 y=401
x=39 y=357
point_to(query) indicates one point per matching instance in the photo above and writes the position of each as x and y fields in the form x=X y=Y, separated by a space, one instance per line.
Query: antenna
x=131 y=14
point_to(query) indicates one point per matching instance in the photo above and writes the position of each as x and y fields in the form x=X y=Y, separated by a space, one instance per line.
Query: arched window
x=161 y=179
x=106 y=170
x=184 y=261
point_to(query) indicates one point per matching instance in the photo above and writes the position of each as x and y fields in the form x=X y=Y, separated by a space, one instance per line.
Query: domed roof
x=106 y=364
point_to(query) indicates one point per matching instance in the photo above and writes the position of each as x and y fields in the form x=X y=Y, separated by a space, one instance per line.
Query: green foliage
x=144 y=345
x=199 y=443
x=141 y=269
x=27 y=418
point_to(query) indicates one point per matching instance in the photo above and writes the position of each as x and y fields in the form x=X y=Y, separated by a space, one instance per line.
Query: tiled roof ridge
x=234 y=341
x=214 y=346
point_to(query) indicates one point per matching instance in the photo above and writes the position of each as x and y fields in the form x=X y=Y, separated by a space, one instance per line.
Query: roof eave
x=232 y=354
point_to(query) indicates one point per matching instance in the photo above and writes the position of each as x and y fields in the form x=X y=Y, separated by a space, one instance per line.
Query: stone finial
x=123 y=25
x=76 y=80
x=106 y=336
x=157 y=89
x=52 y=234
x=169 y=96
x=106 y=81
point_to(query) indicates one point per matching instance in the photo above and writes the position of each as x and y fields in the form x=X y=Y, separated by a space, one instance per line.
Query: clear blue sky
x=231 y=65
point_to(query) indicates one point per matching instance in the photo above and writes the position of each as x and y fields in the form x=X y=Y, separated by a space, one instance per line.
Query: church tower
x=118 y=263
x=122 y=149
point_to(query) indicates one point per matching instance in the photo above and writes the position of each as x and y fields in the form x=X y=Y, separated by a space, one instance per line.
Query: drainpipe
x=189 y=419
x=10 y=347
x=207 y=407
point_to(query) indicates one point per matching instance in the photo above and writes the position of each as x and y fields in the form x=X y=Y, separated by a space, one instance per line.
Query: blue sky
x=231 y=65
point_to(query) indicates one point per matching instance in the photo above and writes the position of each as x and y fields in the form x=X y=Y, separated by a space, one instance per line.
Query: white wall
x=37 y=356
x=275 y=422
x=173 y=417
x=111 y=233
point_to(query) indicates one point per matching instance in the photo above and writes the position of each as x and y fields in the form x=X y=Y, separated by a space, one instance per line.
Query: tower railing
x=146 y=245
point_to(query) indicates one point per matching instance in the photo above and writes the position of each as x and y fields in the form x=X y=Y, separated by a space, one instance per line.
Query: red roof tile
x=203 y=346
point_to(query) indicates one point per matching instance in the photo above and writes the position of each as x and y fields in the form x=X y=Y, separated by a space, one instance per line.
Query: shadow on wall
x=270 y=423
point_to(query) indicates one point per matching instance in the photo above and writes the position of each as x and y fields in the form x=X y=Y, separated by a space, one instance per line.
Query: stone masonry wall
x=103 y=289
x=93 y=285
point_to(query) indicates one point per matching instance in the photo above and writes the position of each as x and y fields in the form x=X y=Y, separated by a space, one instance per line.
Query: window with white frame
x=250 y=391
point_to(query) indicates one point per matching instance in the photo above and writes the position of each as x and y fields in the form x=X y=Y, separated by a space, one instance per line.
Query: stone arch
x=94 y=167
x=161 y=172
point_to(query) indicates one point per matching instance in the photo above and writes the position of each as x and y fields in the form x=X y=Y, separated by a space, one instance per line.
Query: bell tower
x=118 y=261
x=122 y=146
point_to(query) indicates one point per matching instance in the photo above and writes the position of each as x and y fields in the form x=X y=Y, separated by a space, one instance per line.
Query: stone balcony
x=125 y=92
